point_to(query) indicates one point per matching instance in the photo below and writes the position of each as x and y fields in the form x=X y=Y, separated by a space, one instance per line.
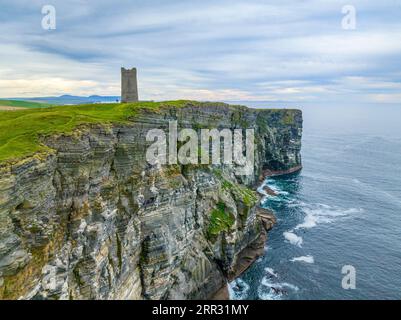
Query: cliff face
x=93 y=220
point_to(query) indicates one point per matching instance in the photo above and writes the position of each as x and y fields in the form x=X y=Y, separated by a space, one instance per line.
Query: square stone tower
x=129 y=85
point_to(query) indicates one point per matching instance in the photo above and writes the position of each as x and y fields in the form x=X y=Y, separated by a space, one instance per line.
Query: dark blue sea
x=342 y=209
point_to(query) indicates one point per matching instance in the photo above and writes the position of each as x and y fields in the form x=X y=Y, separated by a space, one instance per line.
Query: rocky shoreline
x=256 y=248
x=249 y=255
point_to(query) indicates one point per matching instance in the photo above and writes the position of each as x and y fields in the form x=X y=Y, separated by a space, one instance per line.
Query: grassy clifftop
x=20 y=130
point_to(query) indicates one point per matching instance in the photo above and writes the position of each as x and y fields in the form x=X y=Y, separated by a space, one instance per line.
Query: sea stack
x=129 y=85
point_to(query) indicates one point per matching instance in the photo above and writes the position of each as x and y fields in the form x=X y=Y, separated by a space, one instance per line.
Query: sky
x=227 y=50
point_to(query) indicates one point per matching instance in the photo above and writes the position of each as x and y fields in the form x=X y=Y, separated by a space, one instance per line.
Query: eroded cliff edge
x=93 y=220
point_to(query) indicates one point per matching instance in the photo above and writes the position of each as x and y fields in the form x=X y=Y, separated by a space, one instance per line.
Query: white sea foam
x=293 y=238
x=268 y=294
x=266 y=196
x=262 y=191
x=276 y=199
x=276 y=189
x=322 y=213
x=310 y=221
x=281 y=196
x=271 y=271
x=269 y=290
x=263 y=201
x=271 y=184
x=306 y=259
x=238 y=289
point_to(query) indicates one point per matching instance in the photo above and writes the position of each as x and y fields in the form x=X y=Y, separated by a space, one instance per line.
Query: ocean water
x=342 y=209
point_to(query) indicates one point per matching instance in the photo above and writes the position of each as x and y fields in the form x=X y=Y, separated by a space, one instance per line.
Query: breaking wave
x=321 y=213
x=292 y=238
x=271 y=272
x=306 y=259
x=238 y=289
x=269 y=290
x=271 y=184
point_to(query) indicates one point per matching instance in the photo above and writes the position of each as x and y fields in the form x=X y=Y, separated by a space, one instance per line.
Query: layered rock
x=93 y=220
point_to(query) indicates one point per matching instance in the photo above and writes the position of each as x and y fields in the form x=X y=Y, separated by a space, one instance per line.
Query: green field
x=23 y=104
x=20 y=130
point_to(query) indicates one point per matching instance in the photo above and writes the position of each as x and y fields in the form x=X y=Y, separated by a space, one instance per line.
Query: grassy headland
x=20 y=130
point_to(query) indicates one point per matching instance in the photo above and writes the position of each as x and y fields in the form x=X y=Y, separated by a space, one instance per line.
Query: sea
x=338 y=231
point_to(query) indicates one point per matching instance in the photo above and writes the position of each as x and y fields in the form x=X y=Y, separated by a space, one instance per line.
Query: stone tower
x=129 y=85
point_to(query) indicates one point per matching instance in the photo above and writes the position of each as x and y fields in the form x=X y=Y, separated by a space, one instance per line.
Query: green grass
x=24 y=104
x=220 y=220
x=240 y=192
x=288 y=118
x=20 y=130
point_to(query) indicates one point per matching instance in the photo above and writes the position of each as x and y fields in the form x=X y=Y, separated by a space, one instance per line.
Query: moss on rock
x=220 y=220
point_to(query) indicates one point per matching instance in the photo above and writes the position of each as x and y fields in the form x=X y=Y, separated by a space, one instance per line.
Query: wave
x=271 y=272
x=271 y=184
x=281 y=195
x=306 y=259
x=261 y=190
x=238 y=289
x=292 y=238
x=321 y=213
x=264 y=201
x=274 y=291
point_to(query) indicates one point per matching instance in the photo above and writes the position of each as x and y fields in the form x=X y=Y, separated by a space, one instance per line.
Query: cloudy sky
x=288 y=50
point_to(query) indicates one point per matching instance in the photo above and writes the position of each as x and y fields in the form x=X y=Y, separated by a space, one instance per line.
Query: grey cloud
x=254 y=48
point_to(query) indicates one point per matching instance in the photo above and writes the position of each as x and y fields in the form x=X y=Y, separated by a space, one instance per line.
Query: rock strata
x=91 y=219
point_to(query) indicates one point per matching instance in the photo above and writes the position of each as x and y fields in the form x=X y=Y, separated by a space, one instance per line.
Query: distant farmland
x=18 y=104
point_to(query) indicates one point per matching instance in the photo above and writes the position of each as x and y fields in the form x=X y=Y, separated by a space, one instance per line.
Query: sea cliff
x=86 y=217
